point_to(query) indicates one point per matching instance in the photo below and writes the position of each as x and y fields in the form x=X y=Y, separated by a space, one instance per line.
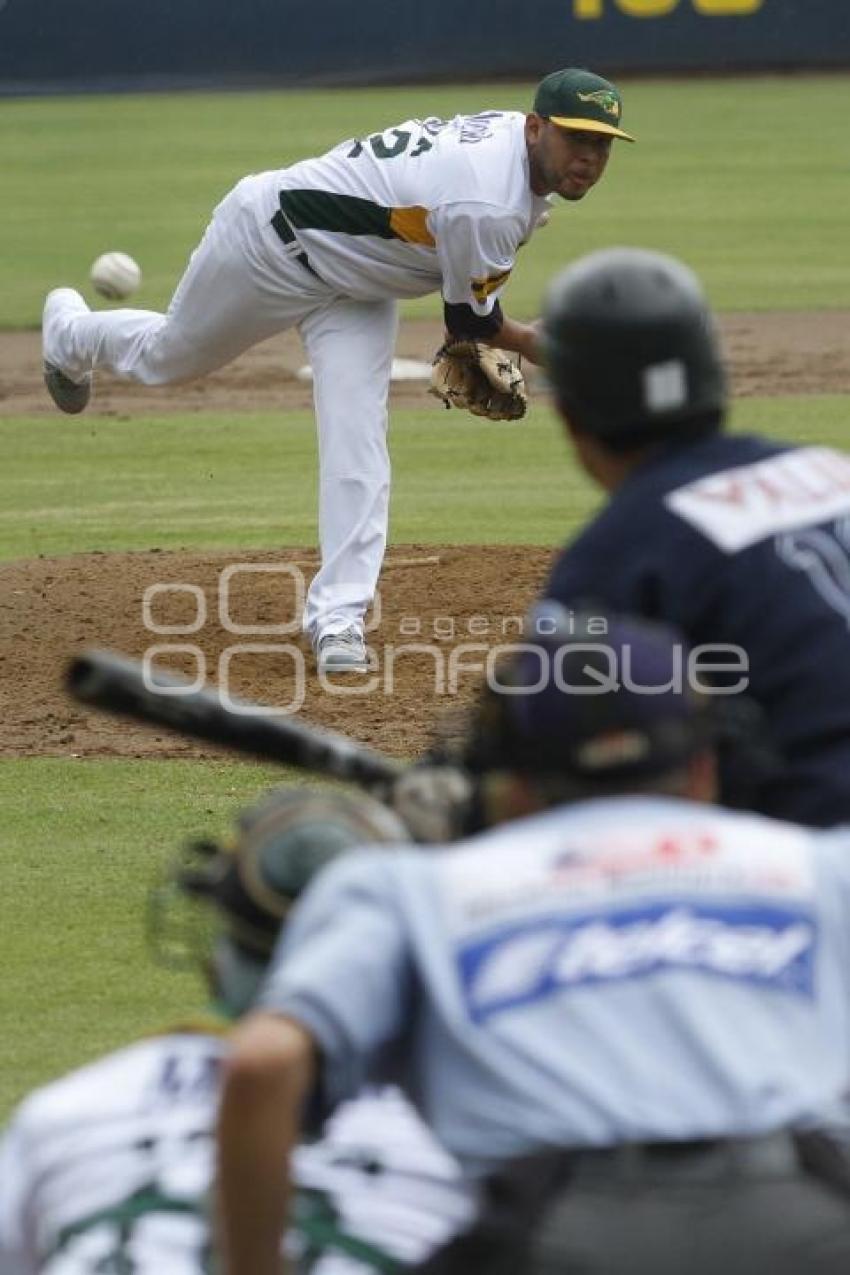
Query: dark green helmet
x=631 y=348
x=222 y=906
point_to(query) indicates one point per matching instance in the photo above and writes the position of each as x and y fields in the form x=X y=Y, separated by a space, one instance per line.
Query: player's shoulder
x=759 y=489
x=612 y=549
x=832 y=849
x=362 y=879
x=718 y=453
x=480 y=131
x=675 y=466
x=812 y=860
x=594 y=827
x=503 y=852
x=756 y=833
x=645 y=496
x=365 y=872
x=481 y=159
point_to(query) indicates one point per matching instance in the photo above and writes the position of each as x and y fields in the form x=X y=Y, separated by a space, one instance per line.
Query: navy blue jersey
x=745 y=542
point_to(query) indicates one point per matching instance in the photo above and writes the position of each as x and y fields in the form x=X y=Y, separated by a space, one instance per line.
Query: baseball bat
x=104 y=679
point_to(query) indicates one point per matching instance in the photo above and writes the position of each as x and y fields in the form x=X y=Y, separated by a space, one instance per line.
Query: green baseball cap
x=581 y=100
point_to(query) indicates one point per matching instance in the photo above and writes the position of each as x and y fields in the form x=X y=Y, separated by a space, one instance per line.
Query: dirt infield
x=452 y=603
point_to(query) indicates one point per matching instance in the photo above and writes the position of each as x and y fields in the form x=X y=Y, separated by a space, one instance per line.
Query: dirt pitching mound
x=233 y=620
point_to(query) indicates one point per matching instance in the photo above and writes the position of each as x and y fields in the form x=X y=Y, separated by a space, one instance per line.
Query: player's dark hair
x=639 y=438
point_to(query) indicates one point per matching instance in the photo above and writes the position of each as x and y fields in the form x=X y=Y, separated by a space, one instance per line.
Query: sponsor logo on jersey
x=738 y=507
x=603 y=98
x=692 y=856
x=615 y=864
x=765 y=946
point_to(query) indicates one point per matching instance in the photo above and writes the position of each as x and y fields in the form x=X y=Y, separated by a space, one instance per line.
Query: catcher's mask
x=631 y=349
x=221 y=907
x=590 y=699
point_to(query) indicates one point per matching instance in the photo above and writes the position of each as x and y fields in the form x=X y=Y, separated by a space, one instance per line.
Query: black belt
x=517 y=1197
x=286 y=234
x=772 y=1155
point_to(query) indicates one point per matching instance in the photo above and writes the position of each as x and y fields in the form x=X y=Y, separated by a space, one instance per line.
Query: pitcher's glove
x=480 y=378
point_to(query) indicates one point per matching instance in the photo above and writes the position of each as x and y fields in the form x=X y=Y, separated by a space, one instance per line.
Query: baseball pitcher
x=329 y=246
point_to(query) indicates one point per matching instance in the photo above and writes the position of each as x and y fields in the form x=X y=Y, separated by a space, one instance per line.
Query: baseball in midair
x=115 y=275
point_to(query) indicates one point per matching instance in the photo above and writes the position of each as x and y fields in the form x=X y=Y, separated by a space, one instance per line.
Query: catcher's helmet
x=631 y=348
x=248 y=887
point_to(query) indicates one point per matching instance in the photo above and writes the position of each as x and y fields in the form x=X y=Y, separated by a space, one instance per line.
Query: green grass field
x=196 y=482
x=734 y=175
x=82 y=844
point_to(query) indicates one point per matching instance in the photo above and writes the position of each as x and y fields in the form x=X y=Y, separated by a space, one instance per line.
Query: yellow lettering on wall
x=646 y=8
x=660 y=8
x=723 y=8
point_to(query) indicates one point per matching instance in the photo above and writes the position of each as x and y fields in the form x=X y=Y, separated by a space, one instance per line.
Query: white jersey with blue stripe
x=619 y=970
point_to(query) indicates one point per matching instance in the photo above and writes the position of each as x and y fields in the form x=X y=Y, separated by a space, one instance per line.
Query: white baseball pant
x=241 y=286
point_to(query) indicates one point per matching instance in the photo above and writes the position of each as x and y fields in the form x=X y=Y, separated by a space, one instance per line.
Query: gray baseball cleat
x=343 y=652
x=69 y=396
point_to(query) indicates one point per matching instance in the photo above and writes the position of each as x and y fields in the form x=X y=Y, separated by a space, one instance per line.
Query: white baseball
x=115 y=275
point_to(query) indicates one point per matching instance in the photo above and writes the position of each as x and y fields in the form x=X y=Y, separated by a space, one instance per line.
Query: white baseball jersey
x=623 y=970
x=424 y=206
x=110 y=1168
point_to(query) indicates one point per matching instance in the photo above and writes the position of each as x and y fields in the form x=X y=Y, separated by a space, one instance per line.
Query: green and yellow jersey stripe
x=351 y=215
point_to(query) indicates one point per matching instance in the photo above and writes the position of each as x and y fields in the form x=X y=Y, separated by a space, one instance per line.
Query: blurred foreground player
x=742 y=542
x=109 y=1169
x=624 y=1009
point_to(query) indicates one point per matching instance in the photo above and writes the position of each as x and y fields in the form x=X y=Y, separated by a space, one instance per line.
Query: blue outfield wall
x=53 y=45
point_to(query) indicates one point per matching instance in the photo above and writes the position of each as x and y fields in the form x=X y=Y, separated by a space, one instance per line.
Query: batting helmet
x=631 y=348
x=591 y=699
x=247 y=888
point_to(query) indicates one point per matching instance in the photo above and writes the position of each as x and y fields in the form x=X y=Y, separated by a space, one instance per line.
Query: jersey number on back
x=825 y=558
x=383 y=149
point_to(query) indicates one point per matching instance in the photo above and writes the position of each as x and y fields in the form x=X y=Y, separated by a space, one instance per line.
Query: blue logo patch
x=766 y=946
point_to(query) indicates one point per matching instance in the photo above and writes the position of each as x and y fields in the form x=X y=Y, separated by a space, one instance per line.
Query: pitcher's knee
x=156 y=361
